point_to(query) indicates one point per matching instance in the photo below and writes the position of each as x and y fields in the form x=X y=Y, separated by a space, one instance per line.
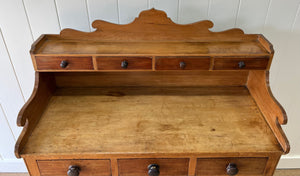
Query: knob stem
x=124 y=64
x=153 y=170
x=73 y=170
x=64 y=64
x=232 y=169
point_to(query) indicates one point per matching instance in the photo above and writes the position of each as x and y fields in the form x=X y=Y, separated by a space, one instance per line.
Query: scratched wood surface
x=151 y=120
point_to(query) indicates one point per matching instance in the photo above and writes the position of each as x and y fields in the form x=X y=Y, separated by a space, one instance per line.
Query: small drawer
x=84 y=167
x=225 y=166
x=63 y=63
x=140 y=167
x=124 y=63
x=182 y=63
x=224 y=63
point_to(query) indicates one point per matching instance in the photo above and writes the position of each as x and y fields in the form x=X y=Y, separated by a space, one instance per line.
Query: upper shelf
x=153 y=33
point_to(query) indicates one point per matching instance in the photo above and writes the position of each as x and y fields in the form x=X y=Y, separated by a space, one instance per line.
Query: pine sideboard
x=152 y=98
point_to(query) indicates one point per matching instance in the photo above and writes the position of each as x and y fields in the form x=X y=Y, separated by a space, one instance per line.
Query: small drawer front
x=124 y=63
x=241 y=63
x=139 y=167
x=219 y=166
x=64 y=63
x=182 y=63
x=86 y=167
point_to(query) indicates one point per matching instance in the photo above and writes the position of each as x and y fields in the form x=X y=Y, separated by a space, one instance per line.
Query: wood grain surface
x=191 y=63
x=152 y=120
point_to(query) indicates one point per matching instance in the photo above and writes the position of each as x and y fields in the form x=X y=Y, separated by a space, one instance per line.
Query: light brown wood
x=190 y=63
x=217 y=166
x=158 y=78
x=32 y=164
x=278 y=172
x=74 y=63
x=33 y=109
x=133 y=167
x=105 y=118
x=258 y=85
x=114 y=63
x=87 y=167
x=204 y=115
x=232 y=63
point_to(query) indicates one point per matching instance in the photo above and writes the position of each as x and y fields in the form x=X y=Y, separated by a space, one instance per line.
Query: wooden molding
x=32 y=110
x=275 y=115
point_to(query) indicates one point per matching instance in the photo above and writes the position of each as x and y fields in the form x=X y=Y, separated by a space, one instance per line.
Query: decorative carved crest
x=150 y=25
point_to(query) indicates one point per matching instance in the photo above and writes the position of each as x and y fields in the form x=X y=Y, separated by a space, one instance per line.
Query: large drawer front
x=230 y=63
x=217 y=166
x=124 y=63
x=138 y=167
x=182 y=63
x=87 y=167
x=61 y=63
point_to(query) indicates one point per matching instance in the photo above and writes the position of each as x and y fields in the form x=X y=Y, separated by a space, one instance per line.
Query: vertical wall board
x=223 y=14
x=169 y=6
x=278 y=26
x=192 y=11
x=252 y=14
x=42 y=17
x=130 y=9
x=103 y=10
x=73 y=14
x=6 y=138
x=18 y=38
x=10 y=94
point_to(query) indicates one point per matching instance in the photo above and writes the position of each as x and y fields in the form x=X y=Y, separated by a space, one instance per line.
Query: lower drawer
x=139 y=167
x=85 y=167
x=219 y=166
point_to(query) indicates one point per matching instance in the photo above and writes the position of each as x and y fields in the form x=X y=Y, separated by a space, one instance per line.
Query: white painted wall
x=22 y=21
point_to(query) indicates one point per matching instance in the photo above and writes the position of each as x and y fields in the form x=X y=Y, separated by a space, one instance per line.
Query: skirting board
x=17 y=165
x=289 y=162
x=12 y=165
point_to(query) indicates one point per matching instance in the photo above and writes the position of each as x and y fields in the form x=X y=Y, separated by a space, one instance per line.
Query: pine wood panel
x=87 y=167
x=231 y=63
x=74 y=63
x=32 y=110
x=173 y=63
x=157 y=78
x=217 y=166
x=114 y=63
x=105 y=118
x=134 y=167
x=275 y=115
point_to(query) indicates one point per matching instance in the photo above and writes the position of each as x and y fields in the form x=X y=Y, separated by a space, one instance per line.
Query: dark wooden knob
x=242 y=64
x=232 y=169
x=182 y=65
x=153 y=170
x=73 y=171
x=64 y=64
x=124 y=64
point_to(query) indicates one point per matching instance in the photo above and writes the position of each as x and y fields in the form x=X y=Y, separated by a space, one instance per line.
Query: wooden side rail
x=32 y=110
x=258 y=85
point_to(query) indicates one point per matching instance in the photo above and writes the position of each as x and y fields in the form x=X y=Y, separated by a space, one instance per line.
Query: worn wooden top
x=142 y=120
x=152 y=48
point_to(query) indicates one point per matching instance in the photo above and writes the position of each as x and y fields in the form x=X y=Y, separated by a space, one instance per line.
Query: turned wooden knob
x=182 y=65
x=73 y=171
x=124 y=64
x=242 y=64
x=64 y=64
x=232 y=169
x=153 y=170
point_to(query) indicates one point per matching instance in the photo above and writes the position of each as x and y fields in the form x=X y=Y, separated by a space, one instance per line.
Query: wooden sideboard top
x=152 y=88
x=147 y=120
